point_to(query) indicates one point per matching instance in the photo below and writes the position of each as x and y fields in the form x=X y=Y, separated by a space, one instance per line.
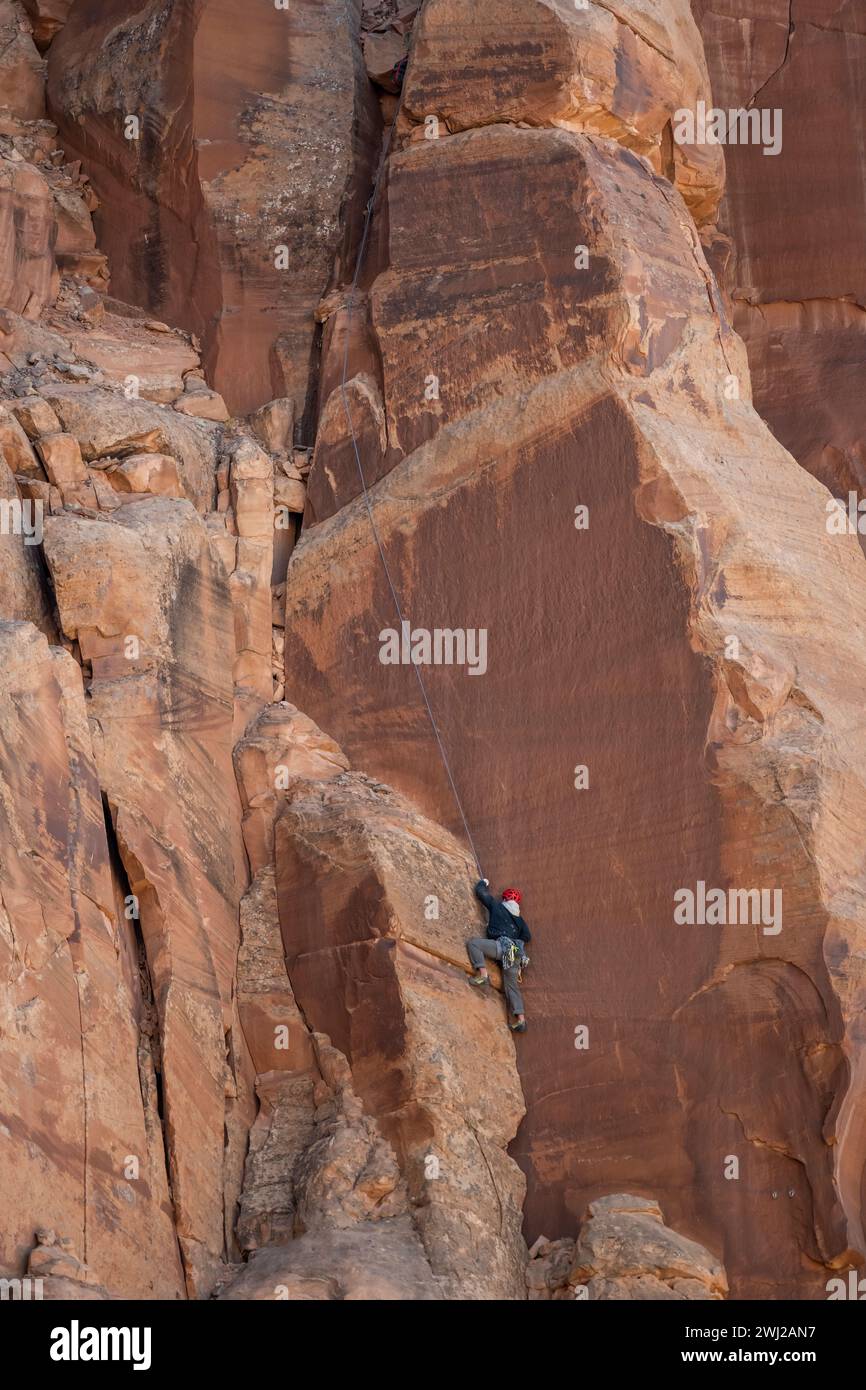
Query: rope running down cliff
x=362 y=250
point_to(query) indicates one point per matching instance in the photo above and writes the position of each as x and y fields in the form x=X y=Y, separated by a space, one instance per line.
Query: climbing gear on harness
x=510 y=953
x=350 y=304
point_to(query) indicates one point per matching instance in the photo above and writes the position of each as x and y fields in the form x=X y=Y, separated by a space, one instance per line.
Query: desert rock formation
x=239 y=1058
x=621 y=388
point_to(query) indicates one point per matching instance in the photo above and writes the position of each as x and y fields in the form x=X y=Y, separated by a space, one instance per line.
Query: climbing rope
x=362 y=251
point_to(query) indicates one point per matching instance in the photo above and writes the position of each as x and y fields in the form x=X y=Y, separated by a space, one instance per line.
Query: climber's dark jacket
x=502 y=922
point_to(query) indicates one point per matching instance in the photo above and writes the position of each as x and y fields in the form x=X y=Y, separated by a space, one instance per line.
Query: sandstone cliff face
x=162 y=719
x=82 y=1141
x=619 y=387
x=231 y=1125
x=238 y=1054
x=224 y=202
x=620 y=70
x=392 y=1176
x=796 y=221
x=373 y=909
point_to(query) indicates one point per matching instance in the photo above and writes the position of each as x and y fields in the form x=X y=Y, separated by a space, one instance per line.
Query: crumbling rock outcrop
x=373 y=903
x=54 y=1268
x=355 y=1236
x=624 y=1251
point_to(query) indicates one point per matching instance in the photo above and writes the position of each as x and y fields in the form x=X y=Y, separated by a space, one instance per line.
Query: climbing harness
x=362 y=250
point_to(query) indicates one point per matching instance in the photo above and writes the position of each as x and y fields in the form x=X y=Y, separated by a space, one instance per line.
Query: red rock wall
x=610 y=649
x=82 y=1143
x=163 y=752
x=697 y=649
x=797 y=220
x=227 y=169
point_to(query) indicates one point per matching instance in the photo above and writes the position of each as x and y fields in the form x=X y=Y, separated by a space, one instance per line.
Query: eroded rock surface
x=226 y=209
x=617 y=69
x=624 y=1251
x=366 y=1135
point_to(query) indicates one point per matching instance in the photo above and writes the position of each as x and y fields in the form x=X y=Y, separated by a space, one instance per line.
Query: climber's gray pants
x=480 y=947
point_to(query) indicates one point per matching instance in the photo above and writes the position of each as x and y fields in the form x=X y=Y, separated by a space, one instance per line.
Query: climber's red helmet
x=511 y=895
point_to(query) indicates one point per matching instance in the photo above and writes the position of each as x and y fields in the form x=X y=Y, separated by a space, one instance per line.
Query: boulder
x=15 y=447
x=35 y=416
x=107 y=425
x=273 y=424
x=202 y=405
x=625 y=1251
x=145 y=473
x=131 y=353
x=62 y=461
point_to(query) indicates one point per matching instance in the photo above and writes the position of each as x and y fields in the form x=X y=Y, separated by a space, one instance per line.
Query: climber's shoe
x=518 y=1027
x=479 y=980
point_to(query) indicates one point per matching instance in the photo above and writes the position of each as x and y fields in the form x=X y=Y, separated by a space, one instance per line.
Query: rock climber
x=506 y=933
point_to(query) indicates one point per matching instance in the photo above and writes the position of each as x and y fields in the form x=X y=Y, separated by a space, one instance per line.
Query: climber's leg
x=512 y=991
x=479 y=948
